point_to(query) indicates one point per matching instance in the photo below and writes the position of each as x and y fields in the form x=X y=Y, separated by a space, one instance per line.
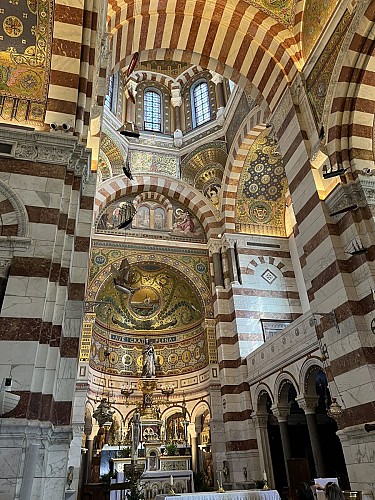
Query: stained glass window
x=152 y=111
x=201 y=103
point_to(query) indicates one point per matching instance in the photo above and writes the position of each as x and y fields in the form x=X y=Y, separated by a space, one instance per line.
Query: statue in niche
x=70 y=476
x=149 y=360
x=225 y=471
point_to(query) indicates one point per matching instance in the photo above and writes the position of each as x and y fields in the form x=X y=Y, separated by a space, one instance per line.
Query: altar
x=228 y=495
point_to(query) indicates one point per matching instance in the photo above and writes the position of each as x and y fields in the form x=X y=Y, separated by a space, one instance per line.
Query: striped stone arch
x=246 y=135
x=119 y=186
x=279 y=391
x=14 y=220
x=188 y=74
x=297 y=28
x=158 y=197
x=248 y=42
x=349 y=112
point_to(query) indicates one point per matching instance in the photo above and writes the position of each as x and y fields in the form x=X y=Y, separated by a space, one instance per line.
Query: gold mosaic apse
x=25 y=52
x=260 y=204
x=168 y=305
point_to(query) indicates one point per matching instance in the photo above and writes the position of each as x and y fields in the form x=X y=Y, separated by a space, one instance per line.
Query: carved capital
x=214 y=246
x=307 y=403
x=260 y=420
x=216 y=78
x=281 y=412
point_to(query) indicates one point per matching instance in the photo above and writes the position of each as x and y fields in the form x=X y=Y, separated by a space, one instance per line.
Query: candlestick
x=171 y=480
x=264 y=476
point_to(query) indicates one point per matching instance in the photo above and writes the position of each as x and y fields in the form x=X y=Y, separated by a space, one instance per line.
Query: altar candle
x=171 y=480
x=264 y=476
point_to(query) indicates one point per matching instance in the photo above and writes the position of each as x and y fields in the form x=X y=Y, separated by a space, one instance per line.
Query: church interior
x=187 y=280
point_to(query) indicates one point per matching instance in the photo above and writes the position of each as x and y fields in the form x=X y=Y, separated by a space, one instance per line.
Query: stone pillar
x=308 y=404
x=176 y=102
x=29 y=471
x=260 y=421
x=215 y=251
x=281 y=413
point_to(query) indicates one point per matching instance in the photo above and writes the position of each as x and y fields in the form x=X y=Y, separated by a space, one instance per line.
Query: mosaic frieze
x=315 y=17
x=25 y=51
x=260 y=204
x=175 y=354
x=318 y=81
x=169 y=220
x=112 y=153
x=146 y=162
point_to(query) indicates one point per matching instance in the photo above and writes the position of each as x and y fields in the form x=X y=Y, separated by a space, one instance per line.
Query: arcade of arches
x=207 y=271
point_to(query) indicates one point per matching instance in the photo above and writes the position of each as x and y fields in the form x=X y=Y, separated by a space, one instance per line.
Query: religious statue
x=69 y=477
x=103 y=412
x=149 y=360
x=225 y=472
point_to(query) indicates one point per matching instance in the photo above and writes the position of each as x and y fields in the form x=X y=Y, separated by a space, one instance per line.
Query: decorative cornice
x=47 y=147
x=361 y=193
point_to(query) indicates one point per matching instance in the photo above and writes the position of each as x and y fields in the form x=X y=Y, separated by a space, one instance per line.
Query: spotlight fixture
x=129 y=130
x=126 y=169
x=65 y=127
x=345 y=209
x=322 y=133
x=358 y=248
x=329 y=171
x=53 y=126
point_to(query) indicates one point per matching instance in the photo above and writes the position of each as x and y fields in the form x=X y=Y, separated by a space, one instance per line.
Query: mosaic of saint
x=260 y=205
x=25 y=49
x=170 y=220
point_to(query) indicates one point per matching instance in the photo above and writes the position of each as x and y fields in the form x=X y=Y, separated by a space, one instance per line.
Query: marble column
x=218 y=269
x=194 y=451
x=260 y=421
x=308 y=404
x=281 y=413
x=29 y=470
x=220 y=97
x=176 y=102
x=232 y=261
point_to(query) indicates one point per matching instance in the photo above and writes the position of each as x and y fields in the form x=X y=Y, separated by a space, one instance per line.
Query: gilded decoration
x=204 y=168
x=146 y=162
x=25 y=53
x=170 y=299
x=318 y=81
x=113 y=153
x=260 y=205
x=315 y=17
x=282 y=10
x=154 y=218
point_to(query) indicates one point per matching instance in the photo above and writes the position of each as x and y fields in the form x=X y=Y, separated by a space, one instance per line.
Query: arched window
x=152 y=110
x=201 y=104
x=109 y=97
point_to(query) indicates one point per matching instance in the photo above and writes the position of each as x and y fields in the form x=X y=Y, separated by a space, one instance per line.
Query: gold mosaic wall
x=260 y=204
x=282 y=10
x=25 y=53
x=315 y=17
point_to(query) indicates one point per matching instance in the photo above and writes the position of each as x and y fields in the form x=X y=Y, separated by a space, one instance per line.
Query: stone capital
x=214 y=245
x=216 y=78
x=307 y=403
x=176 y=101
x=260 y=420
x=281 y=412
